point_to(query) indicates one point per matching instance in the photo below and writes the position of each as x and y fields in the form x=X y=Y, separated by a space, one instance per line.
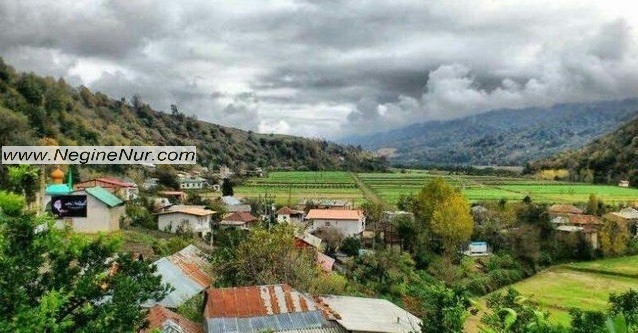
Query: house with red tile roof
x=288 y=215
x=238 y=220
x=162 y=319
x=589 y=225
x=126 y=190
x=350 y=222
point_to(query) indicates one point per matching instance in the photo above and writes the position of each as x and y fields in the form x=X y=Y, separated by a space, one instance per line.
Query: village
x=99 y=206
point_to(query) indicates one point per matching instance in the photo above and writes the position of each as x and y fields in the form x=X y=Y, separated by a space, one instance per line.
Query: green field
x=567 y=286
x=294 y=186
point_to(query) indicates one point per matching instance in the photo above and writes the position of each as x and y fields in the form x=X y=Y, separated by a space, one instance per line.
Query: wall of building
x=170 y=222
x=99 y=217
x=347 y=227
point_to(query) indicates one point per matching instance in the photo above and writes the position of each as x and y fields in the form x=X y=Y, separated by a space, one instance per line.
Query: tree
x=24 y=180
x=333 y=238
x=227 y=188
x=433 y=194
x=386 y=272
x=266 y=257
x=625 y=304
x=452 y=222
x=166 y=176
x=53 y=281
x=614 y=237
x=592 y=205
x=445 y=310
x=351 y=246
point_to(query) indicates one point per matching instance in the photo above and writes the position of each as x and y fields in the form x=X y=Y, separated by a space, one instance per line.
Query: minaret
x=57 y=176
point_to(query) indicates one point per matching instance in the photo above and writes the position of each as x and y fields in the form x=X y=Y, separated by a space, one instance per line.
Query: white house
x=349 y=222
x=192 y=218
x=288 y=215
x=191 y=183
x=103 y=211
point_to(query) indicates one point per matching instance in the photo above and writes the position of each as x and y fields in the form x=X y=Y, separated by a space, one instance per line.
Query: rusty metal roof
x=259 y=308
x=161 y=318
x=185 y=271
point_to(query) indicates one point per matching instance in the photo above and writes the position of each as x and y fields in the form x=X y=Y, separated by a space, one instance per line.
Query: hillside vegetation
x=34 y=107
x=501 y=137
x=605 y=160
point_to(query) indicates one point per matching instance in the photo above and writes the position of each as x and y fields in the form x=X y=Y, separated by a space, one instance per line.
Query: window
x=327 y=223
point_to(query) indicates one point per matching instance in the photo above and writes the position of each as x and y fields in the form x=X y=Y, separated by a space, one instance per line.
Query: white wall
x=99 y=217
x=347 y=227
x=170 y=222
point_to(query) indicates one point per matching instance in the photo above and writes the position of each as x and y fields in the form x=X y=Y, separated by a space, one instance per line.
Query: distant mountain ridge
x=33 y=108
x=501 y=137
x=608 y=159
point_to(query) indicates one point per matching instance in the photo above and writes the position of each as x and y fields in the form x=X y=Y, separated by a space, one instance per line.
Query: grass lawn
x=623 y=265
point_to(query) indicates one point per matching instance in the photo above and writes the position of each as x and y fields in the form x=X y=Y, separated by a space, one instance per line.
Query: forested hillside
x=502 y=137
x=605 y=160
x=34 y=107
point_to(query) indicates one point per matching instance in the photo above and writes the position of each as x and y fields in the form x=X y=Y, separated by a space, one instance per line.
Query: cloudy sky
x=330 y=68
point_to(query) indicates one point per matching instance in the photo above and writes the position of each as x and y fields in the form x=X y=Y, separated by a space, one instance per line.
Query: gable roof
x=627 y=213
x=230 y=200
x=240 y=217
x=370 y=314
x=190 y=210
x=104 y=196
x=564 y=209
x=583 y=219
x=164 y=319
x=186 y=272
x=285 y=210
x=334 y=214
x=259 y=308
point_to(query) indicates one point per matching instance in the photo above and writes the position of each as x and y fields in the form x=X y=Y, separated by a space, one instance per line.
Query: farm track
x=367 y=191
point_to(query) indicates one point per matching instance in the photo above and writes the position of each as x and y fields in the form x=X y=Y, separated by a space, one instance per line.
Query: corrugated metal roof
x=230 y=200
x=329 y=329
x=627 y=213
x=185 y=272
x=103 y=195
x=259 y=308
x=161 y=318
x=370 y=314
x=334 y=214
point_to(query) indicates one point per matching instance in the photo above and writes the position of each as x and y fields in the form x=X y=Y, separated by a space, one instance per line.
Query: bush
x=351 y=246
x=11 y=204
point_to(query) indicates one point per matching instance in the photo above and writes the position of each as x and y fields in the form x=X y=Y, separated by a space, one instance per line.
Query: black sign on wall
x=69 y=205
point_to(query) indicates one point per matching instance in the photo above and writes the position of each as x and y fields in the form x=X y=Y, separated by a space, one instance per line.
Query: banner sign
x=69 y=205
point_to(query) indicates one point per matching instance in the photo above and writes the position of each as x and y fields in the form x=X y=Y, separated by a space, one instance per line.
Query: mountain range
x=500 y=137
x=34 y=109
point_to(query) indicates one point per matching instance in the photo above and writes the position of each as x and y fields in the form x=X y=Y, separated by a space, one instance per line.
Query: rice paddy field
x=294 y=186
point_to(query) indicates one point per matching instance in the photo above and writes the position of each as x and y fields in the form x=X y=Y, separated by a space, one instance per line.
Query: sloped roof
x=370 y=314
x=230 y=200
x=240 y=217
x=583 y=219
x=58 y=189
x=103 y=195
x=334 y=214
x=161 y=318
x=287 y=211
x=325 y=262
x=309 y=239
x=186 y=272
x=564 y=209
x=627 y=213
x=259 y=308
x=190 y=210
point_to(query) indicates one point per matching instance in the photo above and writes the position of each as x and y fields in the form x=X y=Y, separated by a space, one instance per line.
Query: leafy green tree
x=351 y=246
x=614 y=237
x=433 y=194
x=445 y=310
x=588 y=321
x=11 y=204
x=388 y=272
x=167 y=177
x=24 y=180
x=625 y=304
x=53 y=281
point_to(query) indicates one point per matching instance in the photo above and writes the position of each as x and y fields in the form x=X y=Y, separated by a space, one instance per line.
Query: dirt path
x=368 y=192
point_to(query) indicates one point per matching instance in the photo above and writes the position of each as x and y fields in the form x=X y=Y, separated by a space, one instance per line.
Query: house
x=185 y=271
x=192 y=183
x=623 y=183
x=127 y=190
x=563 y=209
x=238 y=220
x=359 y=314
x=288 y=215
x=263 y=308
x=187 y=218
x=589 y=225
x=179 y=196
x=232 y=204
x=628 y=215
x=349 y=222
x=326 y=204
x=103 y=211
x=304 y=240
x=162 y=320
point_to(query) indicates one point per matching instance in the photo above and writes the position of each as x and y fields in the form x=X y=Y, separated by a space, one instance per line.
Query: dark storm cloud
x=329 y=68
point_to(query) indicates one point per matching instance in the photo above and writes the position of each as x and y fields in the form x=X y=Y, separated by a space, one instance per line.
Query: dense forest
x=501 y=137
x=608 y=159
x=33 y=108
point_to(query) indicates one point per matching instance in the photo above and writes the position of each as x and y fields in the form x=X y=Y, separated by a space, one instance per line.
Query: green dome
x=58 y=189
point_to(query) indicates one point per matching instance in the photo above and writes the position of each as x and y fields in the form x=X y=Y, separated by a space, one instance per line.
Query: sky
x=330 y=68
